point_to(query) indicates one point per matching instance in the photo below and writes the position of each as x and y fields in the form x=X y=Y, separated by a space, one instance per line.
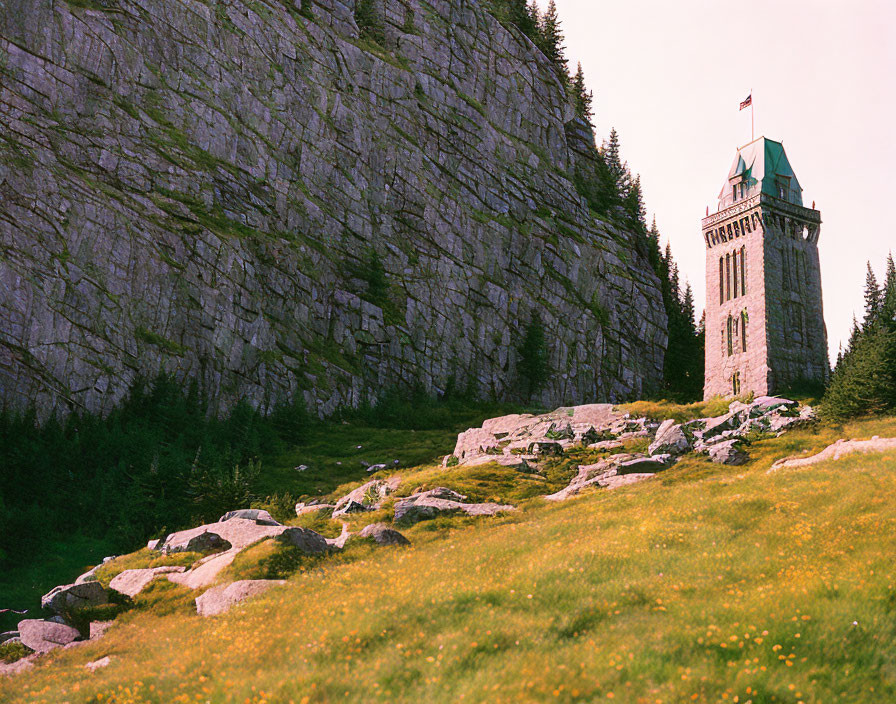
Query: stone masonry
x=764 y=320
x=273 y=205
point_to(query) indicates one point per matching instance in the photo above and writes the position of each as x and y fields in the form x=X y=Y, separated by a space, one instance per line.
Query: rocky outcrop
x=261 y=201
x=367 y=497
x=442 y=502
x=837 y=450
x=508 y=440
x=218 y=600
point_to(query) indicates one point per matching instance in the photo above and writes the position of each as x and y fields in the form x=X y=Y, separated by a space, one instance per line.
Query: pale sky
x=670 y=76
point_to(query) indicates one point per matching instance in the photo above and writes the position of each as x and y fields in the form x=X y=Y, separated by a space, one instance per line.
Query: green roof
x=764 y=166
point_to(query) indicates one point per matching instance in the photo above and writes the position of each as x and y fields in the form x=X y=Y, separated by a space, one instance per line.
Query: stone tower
x=764 y=321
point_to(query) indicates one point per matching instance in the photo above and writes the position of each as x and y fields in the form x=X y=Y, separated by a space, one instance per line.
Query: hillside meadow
x=706 y=584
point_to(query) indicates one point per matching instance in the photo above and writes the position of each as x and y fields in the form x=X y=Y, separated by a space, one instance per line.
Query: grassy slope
x=707 y=584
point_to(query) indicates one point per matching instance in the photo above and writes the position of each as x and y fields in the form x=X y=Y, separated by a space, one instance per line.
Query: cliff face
x=234 y=192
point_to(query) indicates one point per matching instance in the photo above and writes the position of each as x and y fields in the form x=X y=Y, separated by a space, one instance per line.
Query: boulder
x=728 y=452
x=260 y=516
x=645 y=465
x=545 y=448
x=153 y=544
x=425 y=506
x=195 y=540
x=74 y=596
x=671 y=439
x=306 y=540
x=43 y=636
x=8 y=636
x=366 y=497
x=302 y=509
x=98 y=664
x=382 y=534
x=218 y=600
x=98 y=628
x=20 y=665
x=131 y=582
x=351 y=506
x=219 y=537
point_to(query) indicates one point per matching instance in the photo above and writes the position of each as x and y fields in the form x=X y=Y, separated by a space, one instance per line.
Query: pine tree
x=618 y=169
x=520 y=14
x=635 y=205
x=889 y=292
x=873 y=299
x=552 y=39
x=582 y=97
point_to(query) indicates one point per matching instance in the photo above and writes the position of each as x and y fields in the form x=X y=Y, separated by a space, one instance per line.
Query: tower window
x=734 y=268
x=727 y=277
x=730 y=339
x=721 y=282
x=743 y=271
x=743 y=330
x=735 y=383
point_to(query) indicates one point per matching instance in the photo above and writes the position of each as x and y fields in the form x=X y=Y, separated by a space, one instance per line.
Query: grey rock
x=95 y=665
x=43 y=636
x=302 y=509
x=204 y=541
x=74 y=596
x=425 y=506
x=98 y=628
x=382 y=534
x=306 y=540
x=260 y=516
x=645 y=465
x=8 y=636
x=671 y=439
x=132 y=582
x=728 y=452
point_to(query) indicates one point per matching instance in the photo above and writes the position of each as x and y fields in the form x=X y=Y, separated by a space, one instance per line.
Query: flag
x=748 y=102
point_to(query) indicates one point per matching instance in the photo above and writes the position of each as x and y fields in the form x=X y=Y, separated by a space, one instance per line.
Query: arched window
x=743 y=330
x=736 y=278
x=743 y=271
x=727 y=277
x=735 y=383
x=730 y=338
x=721 y=281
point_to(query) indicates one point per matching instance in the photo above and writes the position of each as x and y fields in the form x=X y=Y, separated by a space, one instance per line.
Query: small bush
x=370 y=24
x=10 y=652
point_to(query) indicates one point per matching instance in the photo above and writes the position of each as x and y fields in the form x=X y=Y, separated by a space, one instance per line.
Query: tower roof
x=762 y=166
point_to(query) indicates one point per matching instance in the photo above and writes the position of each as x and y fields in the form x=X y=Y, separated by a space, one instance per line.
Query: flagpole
x=752 y=115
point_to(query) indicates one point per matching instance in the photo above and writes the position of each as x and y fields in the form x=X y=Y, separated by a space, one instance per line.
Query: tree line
x=864 y=378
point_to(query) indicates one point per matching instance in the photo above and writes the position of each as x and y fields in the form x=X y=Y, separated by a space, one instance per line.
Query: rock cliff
x=256 y=196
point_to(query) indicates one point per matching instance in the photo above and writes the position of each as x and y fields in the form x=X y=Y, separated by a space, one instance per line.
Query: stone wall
x=269 y=203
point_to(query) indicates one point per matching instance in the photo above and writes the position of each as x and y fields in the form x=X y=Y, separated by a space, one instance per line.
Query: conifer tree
x=618 y=169
x=520 y=14
x=634 y=204
x=889 y=292
x=873 y=299
x=552 y=39
x=582 y=97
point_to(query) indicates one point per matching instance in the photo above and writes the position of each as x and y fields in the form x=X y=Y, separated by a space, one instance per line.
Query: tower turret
x=764 y=319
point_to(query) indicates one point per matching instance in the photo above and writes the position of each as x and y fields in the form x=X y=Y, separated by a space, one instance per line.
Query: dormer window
x=782 y=185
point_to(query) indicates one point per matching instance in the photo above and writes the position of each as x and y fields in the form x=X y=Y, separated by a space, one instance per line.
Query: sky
x=669 y=76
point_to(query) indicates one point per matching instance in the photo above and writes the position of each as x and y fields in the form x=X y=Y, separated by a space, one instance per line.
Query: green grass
x=708 y=584
x=679 y=412
x=23 y=585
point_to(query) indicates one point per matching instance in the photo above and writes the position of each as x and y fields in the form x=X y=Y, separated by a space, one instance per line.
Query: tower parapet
x=764 y=319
